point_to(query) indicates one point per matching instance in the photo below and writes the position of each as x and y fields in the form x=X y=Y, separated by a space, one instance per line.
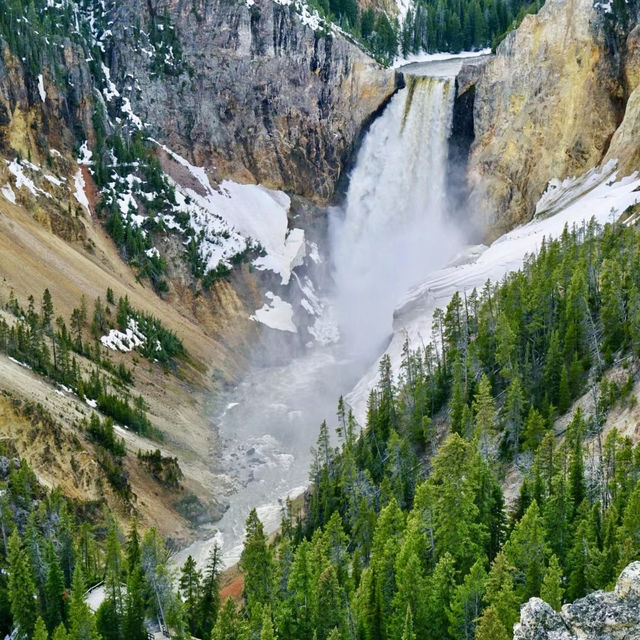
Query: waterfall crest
x=394 y=225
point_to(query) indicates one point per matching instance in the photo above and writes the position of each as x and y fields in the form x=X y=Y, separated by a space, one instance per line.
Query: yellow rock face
x=546 y=107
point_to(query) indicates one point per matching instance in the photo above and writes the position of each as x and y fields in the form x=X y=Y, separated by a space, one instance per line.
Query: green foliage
x=22 y=590
x=552 y=589
x=425 y=550
x=456 y=26
x=101 y=432
x=160 y=343
x=164 y=469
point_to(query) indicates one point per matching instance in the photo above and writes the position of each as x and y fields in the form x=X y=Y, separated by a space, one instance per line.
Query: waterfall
x=394 y=230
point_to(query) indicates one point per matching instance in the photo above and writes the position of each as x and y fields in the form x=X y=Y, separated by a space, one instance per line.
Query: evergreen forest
x=417 y=524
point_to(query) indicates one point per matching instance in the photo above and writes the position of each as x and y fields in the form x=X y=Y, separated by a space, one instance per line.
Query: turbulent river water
x=391 y=233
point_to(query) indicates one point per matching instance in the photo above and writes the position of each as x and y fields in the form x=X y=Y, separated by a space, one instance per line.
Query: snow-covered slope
x=597 y=194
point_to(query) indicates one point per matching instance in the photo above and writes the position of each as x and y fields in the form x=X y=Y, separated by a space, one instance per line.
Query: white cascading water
x=394 y=230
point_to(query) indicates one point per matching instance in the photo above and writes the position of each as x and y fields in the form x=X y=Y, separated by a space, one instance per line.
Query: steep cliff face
x=251 y=93
x=547 y=107
x=612 y=615
x=625 y=146
x=259 y=97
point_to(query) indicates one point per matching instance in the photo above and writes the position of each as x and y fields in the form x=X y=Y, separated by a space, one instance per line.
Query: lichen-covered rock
x=546 y=107
x=613 y=615
x=262 y=97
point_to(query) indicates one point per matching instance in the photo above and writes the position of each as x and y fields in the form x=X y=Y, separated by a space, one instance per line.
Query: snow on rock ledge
x=599 y=616
x=277 y=315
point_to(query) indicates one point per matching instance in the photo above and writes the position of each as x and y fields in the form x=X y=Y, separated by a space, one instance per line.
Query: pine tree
x=440 y=590
x=209 y=603
x=630 y=528
x=576 y=467
x=458 y=400
x=40 y=630
x=557 y=515
x=500 y=591
x=22 y=590
x=133 y=548
x=527 y=550
x=256 y=563
x=490 y=627
x=484 y=413
x=581 y=557
x=133 y=627
x=227 y=627
x=329 y=599
x=467 y=603
x=407 y=631
x=54 y=591
x=81 y=620
x=564 y=391
x=60 y=633
x=457 y=529
x=551 y=591
x=267 y=632
x=506 y=347
x=113 y=568
x=512 y=414
x=191 y=596
x=534 y=429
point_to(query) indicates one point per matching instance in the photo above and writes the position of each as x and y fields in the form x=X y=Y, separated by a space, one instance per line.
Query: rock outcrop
x=546 y=107
x=613 y=615
x=262 y=97
x=625 y=146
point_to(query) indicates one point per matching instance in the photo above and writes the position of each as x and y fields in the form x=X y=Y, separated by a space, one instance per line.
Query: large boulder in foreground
x=603 y=615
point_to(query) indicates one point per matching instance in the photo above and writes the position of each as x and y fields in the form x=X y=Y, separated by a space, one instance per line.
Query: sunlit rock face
x=546 y=107
x=261 y=96
x=613 y=615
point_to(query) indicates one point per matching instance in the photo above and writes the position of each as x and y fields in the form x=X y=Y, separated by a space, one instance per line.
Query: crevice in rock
x=460 y=141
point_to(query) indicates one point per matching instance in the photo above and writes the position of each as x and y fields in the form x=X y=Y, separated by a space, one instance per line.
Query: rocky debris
x=613 y=615
x=263 y=97
x=546 y=107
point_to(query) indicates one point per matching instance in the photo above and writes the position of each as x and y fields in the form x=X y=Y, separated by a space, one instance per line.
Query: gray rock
x=264 y=98
x=613 y=615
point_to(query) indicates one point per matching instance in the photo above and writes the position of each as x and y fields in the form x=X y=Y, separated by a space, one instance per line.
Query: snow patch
x=43 y=93
x=85 y=154
x=236 y=216
x=111 y=91
x=22 y=364
x=442 y=56
x=127 y=341
x=126 y=109
x=309 y=17
x=277 y=315
x=80 y=194
x=8 y=193
x=17 y=169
